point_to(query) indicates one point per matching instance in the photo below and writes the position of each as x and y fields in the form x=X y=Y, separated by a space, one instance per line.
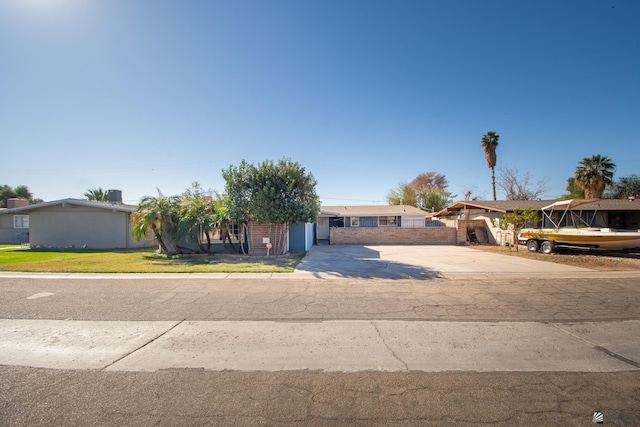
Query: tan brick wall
x=256 y=232
x=392 y=236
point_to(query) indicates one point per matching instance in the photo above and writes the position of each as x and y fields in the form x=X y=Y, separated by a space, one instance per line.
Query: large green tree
x=489 y=144
x=624 y=187
x=593 y=174
x=427 y=191
x=403 y=194
x=574 y=191
x=273 y=193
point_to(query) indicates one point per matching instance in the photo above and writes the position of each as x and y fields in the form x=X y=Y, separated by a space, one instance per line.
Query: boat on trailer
x=580 y=233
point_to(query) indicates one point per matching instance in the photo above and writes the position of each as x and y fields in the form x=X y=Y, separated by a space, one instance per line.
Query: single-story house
x=480 y=216
x=380 y=224
x=14 y=228
x=72 y=223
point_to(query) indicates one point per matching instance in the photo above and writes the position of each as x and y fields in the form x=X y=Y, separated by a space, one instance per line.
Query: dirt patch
x=595 y=260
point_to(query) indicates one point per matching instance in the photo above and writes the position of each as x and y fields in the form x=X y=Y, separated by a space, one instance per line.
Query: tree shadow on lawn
x=288 y=261
x=354 y=261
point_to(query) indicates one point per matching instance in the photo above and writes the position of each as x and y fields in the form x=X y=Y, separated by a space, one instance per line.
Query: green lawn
x=15 y=258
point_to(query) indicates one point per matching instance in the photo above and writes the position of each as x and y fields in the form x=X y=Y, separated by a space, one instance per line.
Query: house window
x=21 y=221
x=388 y=221
x=354 y=221
x=368 y=221
x=234 y=231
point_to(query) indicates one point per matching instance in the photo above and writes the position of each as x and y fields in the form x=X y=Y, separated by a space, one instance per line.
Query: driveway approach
x=418 y=262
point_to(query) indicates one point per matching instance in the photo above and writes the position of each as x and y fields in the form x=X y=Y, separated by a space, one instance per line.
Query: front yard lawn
x=16 y=258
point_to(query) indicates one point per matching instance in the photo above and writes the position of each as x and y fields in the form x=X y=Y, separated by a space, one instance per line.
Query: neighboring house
x=14 y=228
x=75 y=223
x=379 y=225
x=479 y=216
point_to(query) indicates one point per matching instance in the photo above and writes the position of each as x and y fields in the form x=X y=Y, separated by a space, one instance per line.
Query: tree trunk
x=493 y=183
x=158 y=237
x=225 y=235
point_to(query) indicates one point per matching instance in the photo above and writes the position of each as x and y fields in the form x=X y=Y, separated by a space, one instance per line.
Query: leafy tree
x=593 y=174
x=403 y=194
x=428 y=191
x=574 y=191
x=519 y=187
x=97 y=194
x=20 y=191
x=518 y=219
x=489 y=145
x=430 y=180
x=624 y=187
x=433 y=199
x=197 y=192
x=274 y=193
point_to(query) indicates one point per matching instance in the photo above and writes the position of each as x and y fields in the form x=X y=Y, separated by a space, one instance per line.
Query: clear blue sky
x=139 y=94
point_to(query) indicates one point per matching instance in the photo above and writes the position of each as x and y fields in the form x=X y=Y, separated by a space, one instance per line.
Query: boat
x=579 y=232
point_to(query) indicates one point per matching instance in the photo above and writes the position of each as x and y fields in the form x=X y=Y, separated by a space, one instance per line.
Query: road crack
x=395 y=355
x=143 y=345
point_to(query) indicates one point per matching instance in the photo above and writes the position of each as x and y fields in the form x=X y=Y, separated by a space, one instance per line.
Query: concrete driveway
x=419 y=262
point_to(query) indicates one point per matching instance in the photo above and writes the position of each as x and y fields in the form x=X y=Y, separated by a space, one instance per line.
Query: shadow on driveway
x=353 y=261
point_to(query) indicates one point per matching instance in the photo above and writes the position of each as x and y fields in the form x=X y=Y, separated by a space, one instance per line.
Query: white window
x=354 y=221
x=21 y=221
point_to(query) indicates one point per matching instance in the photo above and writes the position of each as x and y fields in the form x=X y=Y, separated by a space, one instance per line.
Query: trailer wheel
x=548 y=247
x=533 y=245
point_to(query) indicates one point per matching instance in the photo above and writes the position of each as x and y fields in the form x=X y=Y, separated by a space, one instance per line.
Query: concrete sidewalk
x=338 y=346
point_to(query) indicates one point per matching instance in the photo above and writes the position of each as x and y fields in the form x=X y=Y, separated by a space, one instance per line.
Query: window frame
x=19 y=221
x=389 y=221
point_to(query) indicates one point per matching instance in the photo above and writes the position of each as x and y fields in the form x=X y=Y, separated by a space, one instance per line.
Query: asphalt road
x=364 y=346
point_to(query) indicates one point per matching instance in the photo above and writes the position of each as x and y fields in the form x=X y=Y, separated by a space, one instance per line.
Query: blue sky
x=139 y=94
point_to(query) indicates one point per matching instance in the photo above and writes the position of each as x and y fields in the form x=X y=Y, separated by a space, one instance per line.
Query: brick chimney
x=16 y=203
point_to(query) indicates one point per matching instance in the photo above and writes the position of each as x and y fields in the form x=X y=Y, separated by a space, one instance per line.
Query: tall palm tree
x=593 y=174
x=489 y=144
x=97 y=194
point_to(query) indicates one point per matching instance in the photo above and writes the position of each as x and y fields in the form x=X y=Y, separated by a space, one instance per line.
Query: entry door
x=323 y=228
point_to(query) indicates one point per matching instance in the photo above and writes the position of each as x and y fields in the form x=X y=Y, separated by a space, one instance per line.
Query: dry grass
x=595 y=260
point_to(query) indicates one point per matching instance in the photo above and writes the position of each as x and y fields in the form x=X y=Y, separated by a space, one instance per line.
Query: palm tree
x=197 y=218
x=158 y=214
x=97 y=194
x=489 y=144
x=593 y=174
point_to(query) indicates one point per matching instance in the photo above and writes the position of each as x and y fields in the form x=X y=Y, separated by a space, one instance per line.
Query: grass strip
x=144 y=260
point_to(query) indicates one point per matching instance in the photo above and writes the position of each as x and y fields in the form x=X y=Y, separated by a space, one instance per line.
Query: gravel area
x=595 y=260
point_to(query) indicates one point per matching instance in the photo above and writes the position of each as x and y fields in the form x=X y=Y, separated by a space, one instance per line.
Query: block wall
x=393 y=236
x=256 y=232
